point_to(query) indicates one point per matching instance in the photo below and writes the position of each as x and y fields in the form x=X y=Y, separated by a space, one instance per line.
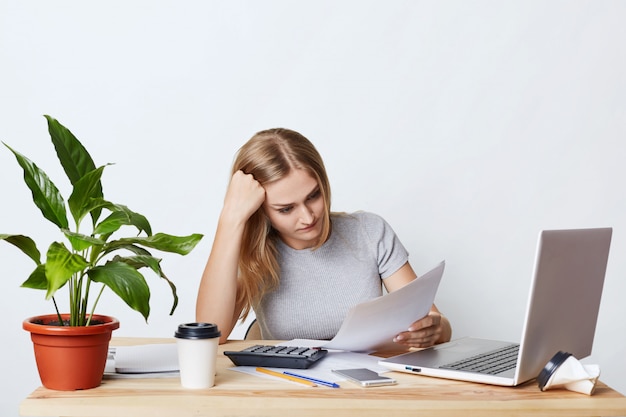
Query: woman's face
x=295 y=207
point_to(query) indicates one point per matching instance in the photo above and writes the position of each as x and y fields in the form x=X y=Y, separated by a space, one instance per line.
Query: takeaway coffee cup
x=197 y=354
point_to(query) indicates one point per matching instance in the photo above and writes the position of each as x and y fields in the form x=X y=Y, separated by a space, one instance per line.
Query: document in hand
x=372 y=325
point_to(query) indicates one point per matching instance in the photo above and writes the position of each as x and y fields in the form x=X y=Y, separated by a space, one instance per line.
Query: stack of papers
x=142 y=361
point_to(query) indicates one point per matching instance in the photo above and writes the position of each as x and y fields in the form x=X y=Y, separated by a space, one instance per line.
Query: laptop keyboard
x=491 y=363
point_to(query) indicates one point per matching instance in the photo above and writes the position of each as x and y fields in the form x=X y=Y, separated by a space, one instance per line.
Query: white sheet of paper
x=323 y=368
x=142 y=359
x=372 y=325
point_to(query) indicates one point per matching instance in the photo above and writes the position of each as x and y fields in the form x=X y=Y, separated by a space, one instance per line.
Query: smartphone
x=365 y=377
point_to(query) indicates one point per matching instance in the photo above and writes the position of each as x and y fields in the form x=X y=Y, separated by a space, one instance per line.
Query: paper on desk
x=373 y=324
x=323 y=368
x=154 y=360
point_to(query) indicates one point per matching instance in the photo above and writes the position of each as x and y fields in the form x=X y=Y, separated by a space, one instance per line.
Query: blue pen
x=317 y=381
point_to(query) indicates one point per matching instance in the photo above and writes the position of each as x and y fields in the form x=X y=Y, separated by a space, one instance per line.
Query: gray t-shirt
x=318 y=287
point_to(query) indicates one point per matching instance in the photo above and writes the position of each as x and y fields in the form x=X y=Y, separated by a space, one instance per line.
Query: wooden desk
x=237 y=394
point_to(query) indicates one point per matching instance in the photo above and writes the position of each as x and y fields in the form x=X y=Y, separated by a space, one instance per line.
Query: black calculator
x=277 y=356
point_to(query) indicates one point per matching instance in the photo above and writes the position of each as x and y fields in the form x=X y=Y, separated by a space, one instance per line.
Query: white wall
x=469 y=125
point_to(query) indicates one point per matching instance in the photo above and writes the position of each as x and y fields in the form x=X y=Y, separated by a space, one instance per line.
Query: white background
x=468 y=125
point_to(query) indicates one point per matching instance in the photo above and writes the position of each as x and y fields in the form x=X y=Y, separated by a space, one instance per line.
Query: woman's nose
x=306 y=214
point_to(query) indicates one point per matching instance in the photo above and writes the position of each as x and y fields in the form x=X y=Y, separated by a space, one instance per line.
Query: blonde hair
x=269 y=156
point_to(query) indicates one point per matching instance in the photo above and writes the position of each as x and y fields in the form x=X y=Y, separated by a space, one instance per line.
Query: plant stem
x=75 y=306
x=85 y=301
x=94 y=305
x=57 y=310
x=72 y=295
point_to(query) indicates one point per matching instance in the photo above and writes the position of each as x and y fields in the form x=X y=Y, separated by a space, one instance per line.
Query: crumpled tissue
x=565 y=371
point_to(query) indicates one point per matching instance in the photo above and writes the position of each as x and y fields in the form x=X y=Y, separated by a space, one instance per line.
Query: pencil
x=288 y=377
x=317 y=381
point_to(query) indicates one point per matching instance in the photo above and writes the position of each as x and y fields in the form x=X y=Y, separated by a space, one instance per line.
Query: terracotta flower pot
x=70 y=358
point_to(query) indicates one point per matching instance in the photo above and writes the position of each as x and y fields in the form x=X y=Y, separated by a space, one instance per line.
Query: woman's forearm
x=217 y=293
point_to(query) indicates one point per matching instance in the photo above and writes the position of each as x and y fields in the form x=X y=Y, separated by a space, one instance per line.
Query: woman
x=279 y=251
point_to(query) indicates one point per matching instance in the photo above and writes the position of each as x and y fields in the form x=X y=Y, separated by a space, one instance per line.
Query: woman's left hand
x=425 y=332
x=432 y=329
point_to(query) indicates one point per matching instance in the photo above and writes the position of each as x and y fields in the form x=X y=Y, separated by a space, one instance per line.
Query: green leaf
x=153 y=263
x=61 y=264
x=85 y=191
x=81 y=242
x=126 y=282
x=122 y=216
x=97 y=202
x=25 y=244
x=74 y=158
x=45 y=194
x=140 y=222
x=141 y=261
x=116 y=245
x=112 y=223
x=166 y=243
x=37 y=280
x=136 y=219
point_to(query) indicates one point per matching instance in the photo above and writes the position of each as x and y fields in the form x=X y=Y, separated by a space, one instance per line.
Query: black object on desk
x=277 y=356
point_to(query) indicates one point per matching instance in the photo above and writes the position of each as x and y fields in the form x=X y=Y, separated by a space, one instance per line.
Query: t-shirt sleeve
x=391 y=255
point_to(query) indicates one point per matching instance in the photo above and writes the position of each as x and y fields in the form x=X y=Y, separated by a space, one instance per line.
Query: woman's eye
x=285 y=210
x=314 y=195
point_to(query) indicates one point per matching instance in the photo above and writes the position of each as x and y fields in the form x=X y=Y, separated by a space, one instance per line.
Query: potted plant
x=94 y=258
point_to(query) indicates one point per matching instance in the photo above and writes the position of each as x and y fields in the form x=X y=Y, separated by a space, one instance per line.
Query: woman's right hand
x=217 y=294
x=244 y=197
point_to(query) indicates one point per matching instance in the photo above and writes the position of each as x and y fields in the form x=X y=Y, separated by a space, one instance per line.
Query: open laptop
x=561 y=315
